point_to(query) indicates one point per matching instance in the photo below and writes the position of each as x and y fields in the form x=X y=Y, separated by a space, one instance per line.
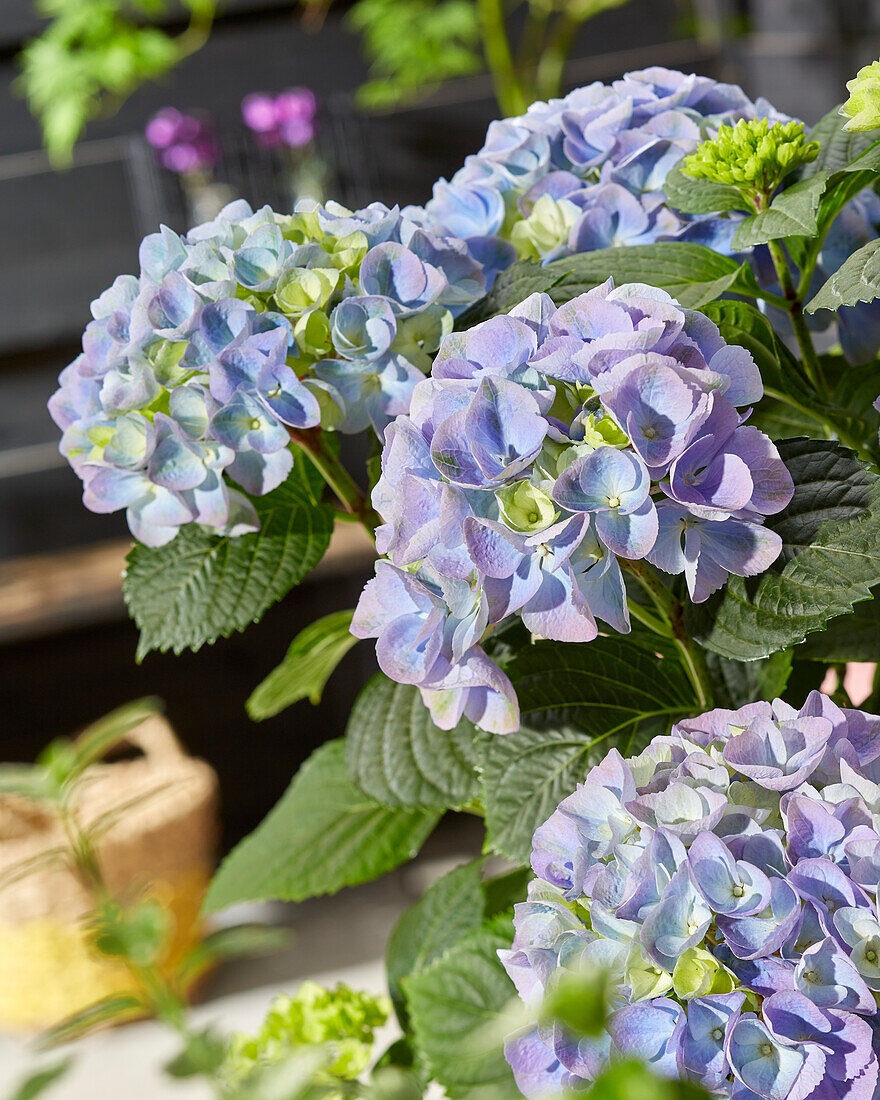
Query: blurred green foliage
x=95 y=53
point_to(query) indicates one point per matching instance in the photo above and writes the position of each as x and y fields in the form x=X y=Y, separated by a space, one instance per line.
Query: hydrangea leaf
x=829 y=561
x=856 y=280
x=325 y=833
x=201 y=587
x=448 y=910
x=735 y=683
x=453 y=1004
x=792 y=213
x=309 y=662
x=837 y=146
x=693 y=196
x=691 y=273
x=852 y=637
x=398 y=756
x=577 y=702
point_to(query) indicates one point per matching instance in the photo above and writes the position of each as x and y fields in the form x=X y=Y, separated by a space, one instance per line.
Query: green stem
x=655 y=625
x=530 y=45
x=347 y=491
x=198 y=31
x=508 y=91
x=671 y=609
x=795 y=309
x=551 y=67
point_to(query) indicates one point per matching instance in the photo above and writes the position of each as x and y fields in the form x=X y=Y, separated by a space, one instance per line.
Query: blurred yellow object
x=157 y=822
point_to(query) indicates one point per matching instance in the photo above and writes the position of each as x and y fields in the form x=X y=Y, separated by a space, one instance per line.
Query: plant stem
x=796 y=313
x=508 y=91
x=311 y=440
x=671 y=609
x=551 y=67
x=657 y=626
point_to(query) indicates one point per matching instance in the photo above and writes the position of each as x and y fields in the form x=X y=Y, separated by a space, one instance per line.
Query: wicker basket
x=160 y=822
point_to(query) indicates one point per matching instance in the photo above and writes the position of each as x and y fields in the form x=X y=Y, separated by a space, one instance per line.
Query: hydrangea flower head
x=727 y=876
x=549 y=448
x=587 y=172
x=194 y=372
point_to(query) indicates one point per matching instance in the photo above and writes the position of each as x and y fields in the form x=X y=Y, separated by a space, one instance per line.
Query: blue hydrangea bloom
x=547 y=449
x=193 y=373
x=587 y=172
x=727 y=877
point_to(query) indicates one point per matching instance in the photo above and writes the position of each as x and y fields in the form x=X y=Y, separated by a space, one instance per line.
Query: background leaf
x=576 y=702
x=308 y=664
x=398 y=756
x=201 y=587
x=852 y=637
x=830 y=558
x=448 y=910
x=735 y=683
x=454 y=1003
x=837 y=147
x=324 y=834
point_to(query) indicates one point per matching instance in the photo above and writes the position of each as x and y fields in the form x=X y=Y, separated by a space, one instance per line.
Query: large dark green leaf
x=691 y=273
x=735 y=683
x=838 y=147
x=692 y=196
x=830 y=558
x=454 y=1006
x=324 y=834
x=398 y=756
x=577 y=702
x=852 y=637
x=201 y=587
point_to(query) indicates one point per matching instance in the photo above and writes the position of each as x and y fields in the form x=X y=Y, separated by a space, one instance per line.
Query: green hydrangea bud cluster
x=863 y=106
x=343 y=1018
x=753 y=156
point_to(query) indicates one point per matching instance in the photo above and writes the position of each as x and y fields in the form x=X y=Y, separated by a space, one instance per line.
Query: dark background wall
x=65 y=236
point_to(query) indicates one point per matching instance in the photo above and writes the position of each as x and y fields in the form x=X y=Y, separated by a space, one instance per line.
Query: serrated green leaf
x=201 y=587
x=691 y=273
x=398 y=756
x=792 y=213
x=324 y=834
x=576 y=702
x=307 y=666
x=856 y=280
x=453 y=1006
x=735 y=683
x=692 y=196
x=448 y=910
x=837 y=147
x=202 y=1055
x=830 y=558
x=852 y=637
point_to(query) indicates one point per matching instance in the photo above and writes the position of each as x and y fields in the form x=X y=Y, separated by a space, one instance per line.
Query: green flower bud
x=546 y=228
x=646 y=979
x=305 y=288
x=343 y=1018
x=697 y=973
x=165 y=357
x=346 y=253
x=524 y=507
x=753 y=156
x=418 y=337
x=312 y=333
x=863 y=106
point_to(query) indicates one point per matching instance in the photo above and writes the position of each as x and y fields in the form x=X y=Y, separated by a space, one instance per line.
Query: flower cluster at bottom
x=728 y=876
x=548 y=447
